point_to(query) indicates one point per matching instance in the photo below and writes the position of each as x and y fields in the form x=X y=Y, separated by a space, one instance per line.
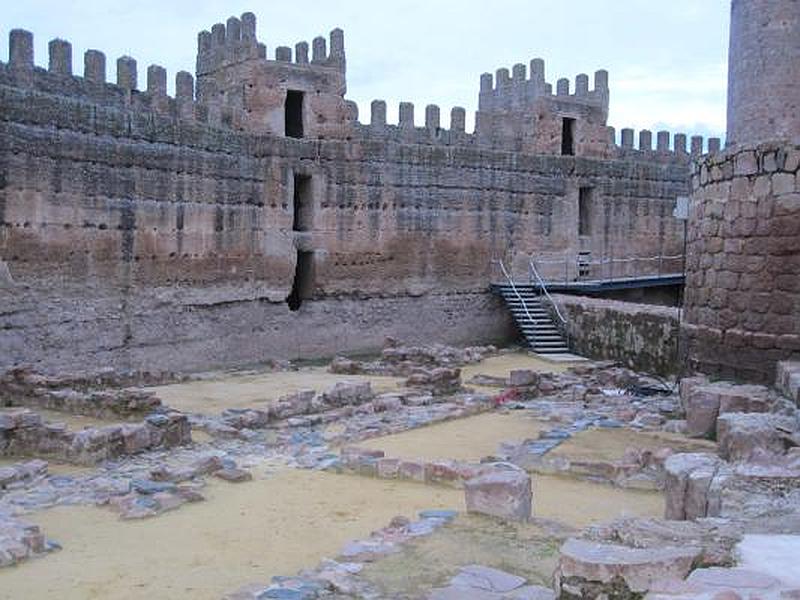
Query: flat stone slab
x=477 y=582
x=589 y=562
x=487 y=578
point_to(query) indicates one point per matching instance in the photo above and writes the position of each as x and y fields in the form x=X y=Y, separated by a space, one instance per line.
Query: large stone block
x=702 y=409
x=505 y=491
x=686 y=485
x=589 y=569
x=742 y=436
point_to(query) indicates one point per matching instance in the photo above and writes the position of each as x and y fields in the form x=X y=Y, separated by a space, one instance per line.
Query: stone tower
x=764 y=71
x=743 y=252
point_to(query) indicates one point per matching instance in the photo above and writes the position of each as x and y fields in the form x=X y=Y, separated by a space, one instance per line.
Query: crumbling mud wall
x=643 y=337
x=142 y=231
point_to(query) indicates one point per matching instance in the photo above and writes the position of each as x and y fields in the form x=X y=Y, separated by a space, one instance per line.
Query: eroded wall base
x=193 y=329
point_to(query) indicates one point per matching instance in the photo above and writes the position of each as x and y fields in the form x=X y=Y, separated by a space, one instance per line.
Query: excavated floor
x=289 y=519
x=274 y=525
x=256 y=389
x=468 y=439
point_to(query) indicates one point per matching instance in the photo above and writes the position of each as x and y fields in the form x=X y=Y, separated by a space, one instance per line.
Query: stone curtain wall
x=743 y=266
x=642 y=337
x=135 y=235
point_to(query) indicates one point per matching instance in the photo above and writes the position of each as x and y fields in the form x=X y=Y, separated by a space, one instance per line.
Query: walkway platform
x=620 y=283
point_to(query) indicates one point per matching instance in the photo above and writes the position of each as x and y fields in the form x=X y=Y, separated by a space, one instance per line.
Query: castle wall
x=743 y=262
x=142 y=231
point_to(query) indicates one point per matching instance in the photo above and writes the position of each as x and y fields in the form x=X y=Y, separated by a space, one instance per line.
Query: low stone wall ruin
x=24 y=433
x=22 y=388
x=643 y=337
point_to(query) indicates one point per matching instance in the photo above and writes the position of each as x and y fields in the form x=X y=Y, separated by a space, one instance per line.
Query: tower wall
x=764 y=71
x=743 y=258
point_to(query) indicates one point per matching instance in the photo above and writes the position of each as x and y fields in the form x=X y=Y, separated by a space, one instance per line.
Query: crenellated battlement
x=517 y=90
x=93 y=86
x=239 y=88
x=666 y=144
x=236 y=41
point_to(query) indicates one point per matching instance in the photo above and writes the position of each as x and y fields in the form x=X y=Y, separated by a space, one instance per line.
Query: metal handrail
x=605 y=261
x=516 y=292
x=601 y=263
x=543 y=287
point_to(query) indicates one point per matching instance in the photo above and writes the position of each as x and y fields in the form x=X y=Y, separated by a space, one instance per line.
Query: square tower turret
x=522 y=114
x=298 y=96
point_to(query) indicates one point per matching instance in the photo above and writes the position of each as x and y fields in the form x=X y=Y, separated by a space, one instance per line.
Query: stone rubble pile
x=20 y=540
x=22 y=474
x=440 y=381
x=24 y=433
x=403 y=361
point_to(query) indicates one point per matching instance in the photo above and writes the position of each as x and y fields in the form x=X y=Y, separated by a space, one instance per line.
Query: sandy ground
x=254 y=390
x=242 y=534
x=610 y=444
x=502 y=365
x=469 y=439
x=278 y=525
x=580 y=503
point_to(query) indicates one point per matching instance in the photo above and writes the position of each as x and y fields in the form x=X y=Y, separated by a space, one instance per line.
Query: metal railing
x=516 y=293
x=535 y=277
x=576 y=267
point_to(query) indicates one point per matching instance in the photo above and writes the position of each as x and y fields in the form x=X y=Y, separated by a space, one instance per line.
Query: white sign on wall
x=681 y=211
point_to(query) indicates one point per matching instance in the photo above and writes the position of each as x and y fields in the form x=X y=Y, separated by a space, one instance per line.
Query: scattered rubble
x=404 y=361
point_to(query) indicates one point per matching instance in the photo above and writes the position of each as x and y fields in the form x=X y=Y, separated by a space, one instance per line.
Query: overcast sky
x=667 y=60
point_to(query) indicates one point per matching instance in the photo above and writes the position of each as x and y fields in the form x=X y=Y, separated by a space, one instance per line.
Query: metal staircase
x=525 y=301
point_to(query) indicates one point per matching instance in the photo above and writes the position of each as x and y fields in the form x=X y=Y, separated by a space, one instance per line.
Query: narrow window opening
x=303 y=218
x=568 y=136
x=303 y=284
x=294 y=114
x=585 y=195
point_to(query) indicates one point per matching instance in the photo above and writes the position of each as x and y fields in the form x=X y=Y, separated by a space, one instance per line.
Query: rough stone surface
x=741 y=436
x=505 y=491
x=743 y=260
x=586 y=568
x=640 y=336
x=688 y=478
x=788 y=380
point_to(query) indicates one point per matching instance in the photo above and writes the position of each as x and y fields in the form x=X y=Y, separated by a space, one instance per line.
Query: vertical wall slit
x=302 y=221
x=303 y=285
x=568 y=136
x=293 y=116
